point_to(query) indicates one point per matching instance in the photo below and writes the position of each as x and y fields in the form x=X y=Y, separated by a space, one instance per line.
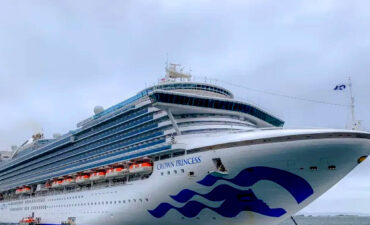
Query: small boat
x=29 y=221
x=141 y=168
x=115 y=172
x=82 y=179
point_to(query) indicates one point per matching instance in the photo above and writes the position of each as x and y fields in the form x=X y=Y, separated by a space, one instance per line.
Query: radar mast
x=175 y=72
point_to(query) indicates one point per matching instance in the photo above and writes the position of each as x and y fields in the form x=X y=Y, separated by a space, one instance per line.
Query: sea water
x=328 y=220
x=323 y=220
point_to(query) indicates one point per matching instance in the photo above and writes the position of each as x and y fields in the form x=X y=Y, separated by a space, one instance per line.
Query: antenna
x=355 y=123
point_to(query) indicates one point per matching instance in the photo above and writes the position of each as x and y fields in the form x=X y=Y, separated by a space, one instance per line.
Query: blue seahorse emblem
x=236 y=200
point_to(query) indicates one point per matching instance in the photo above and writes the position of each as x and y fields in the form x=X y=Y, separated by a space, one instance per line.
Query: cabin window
x=178 y=153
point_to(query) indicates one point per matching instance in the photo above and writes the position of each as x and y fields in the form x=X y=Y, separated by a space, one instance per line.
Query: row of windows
x=61 y=198
x=81 y=204
x=135 y=155
x=199 y=123
x=54 y=167
x=121 y=127
x=174 y=171
x=16 y=203
x=73 y=170
x=65 y=140
x=191 y=86
x=34 y=200
x=216 y=104
x=111 y=122
x=16 y=209
x=85 y=160
x=34 y=153
x=120 y=105
x=75 y=146
x=58 y=161
x=219 y=117
x=65 y=198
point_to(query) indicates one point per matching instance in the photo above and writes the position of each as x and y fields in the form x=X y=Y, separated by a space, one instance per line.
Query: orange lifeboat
x=141 y=168
x=115 y=172
x=68 y=181
x=19 y=191
x=82 y=179
x=97 y=176
x=26 y=190
x=56 y=183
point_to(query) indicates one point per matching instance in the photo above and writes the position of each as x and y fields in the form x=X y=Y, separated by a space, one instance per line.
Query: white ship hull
x=264 y=184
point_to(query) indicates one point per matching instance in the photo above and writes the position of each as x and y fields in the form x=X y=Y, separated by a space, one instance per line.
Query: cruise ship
x=177 y=153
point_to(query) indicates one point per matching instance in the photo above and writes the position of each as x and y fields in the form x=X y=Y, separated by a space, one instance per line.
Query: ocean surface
x=323 y=220
x=328 y=220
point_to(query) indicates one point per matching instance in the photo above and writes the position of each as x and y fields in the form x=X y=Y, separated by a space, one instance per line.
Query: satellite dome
x=98 y=109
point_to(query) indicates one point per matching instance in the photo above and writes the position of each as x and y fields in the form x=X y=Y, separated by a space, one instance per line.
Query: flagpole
x=354 y=124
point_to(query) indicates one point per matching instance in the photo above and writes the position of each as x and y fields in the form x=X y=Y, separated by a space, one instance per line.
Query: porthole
x=313 y=168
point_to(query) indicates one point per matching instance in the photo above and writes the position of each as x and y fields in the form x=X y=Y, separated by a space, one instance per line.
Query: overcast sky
x=58 y=59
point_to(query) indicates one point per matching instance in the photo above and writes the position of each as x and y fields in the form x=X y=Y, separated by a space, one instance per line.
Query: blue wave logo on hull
x=299 y=188
x=237 y=200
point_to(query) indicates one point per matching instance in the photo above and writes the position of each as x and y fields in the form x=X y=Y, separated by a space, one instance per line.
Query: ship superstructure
x=179 y=152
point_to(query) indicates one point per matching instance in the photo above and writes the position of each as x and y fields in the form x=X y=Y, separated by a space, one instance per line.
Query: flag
x=340 y=87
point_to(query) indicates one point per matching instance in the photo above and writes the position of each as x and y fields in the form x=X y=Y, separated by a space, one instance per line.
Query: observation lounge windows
x=217 y=104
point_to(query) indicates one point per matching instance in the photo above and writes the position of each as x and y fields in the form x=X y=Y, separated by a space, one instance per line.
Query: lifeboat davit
x=82 y=179
x=47 y=185
x=141 y=168
x=68 y=181
x=97 y=176
x=116 y=172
